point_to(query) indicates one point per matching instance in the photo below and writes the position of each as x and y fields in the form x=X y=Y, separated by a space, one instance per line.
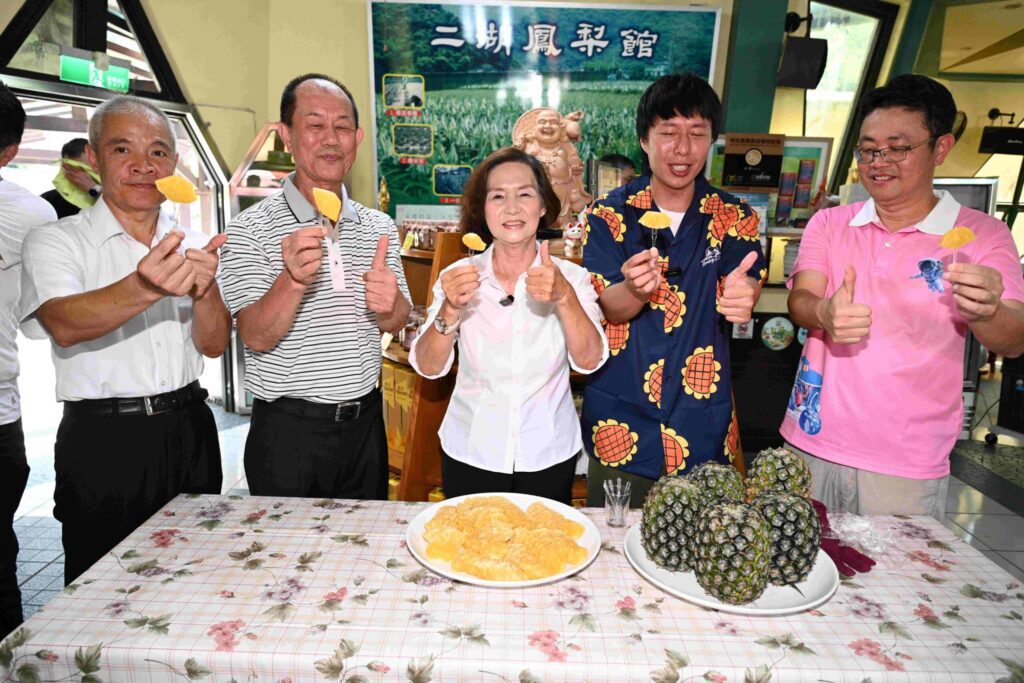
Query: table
x=226 y=588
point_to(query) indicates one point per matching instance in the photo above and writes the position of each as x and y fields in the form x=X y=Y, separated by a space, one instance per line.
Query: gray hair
x=125 y=105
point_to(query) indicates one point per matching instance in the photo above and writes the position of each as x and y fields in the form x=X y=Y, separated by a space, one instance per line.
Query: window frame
x=87 y=36
x=885 y=13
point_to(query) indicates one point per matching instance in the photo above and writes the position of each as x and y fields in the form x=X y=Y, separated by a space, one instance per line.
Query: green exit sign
x=84 y=71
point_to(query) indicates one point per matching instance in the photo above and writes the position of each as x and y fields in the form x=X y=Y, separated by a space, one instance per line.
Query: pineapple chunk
x=957 y=237
x=655 y=220
x=177 y=189
x=328 y=203
x=473 y=241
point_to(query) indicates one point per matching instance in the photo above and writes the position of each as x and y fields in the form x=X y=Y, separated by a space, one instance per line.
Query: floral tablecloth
x=225 y=588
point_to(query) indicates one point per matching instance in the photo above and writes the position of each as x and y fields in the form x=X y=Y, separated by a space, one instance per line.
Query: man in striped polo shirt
x=310 y=304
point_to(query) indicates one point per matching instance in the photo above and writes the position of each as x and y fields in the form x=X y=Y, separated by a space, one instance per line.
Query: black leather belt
x=188 y=395
x=335 y=412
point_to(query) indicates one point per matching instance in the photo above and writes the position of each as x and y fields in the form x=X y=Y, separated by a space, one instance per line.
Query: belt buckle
x=147 y=402
x=340 y=408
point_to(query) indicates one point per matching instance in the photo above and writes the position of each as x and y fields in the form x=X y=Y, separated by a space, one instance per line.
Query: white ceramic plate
x=817 y=588
x=591 y=540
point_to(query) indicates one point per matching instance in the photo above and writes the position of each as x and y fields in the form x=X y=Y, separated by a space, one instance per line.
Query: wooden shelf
x=423 y=254
x=396 y=354
x=779 y=231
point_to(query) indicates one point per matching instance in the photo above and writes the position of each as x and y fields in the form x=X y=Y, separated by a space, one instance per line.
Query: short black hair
x=685 y=94
x=12 y=118
x=915 y=93
x=619 y=161
x=288 y=96
x=73 y=148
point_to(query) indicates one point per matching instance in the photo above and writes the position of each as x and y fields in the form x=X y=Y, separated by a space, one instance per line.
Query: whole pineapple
x=669 y=520
x=778 y=469
x=733 y=551
x=795 y=534
x=718 y=481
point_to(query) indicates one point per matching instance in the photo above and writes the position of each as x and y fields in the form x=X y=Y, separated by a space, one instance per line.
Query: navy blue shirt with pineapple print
x=663 y=401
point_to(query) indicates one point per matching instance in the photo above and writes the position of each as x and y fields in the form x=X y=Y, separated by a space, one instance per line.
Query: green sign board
x=78 y=70
x=452 y=79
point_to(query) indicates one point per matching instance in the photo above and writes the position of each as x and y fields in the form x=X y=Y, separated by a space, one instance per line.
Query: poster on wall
x=803 y=172
x=451 y=80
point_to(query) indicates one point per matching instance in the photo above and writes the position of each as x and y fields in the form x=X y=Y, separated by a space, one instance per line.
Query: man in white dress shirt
x=129 y=311
x=20 y=210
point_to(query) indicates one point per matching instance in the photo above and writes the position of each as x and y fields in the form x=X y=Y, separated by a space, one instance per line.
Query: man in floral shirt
x=672 y=259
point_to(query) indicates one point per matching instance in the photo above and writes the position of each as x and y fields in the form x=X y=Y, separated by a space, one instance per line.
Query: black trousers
x=316 y=456
x=554 y=482
x=13 y=478
x=115 y=471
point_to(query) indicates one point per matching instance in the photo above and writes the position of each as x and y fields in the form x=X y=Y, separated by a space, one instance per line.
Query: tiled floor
x=992 y=528
x=41 y=558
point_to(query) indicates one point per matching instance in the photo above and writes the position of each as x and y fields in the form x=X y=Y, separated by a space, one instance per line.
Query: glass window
x=121 y=43
x=40 y=53
x=851 y=38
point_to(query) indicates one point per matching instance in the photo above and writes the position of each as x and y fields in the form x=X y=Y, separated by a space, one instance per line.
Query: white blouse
x=512 y=407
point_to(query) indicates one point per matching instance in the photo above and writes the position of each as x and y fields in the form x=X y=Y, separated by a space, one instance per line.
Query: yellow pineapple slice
x=328 y=203
x=444 y=544
x=655 y=220
x=957 y=237
x=541 y=516
x=179 y=190
x=491 y=570
x=473 y=241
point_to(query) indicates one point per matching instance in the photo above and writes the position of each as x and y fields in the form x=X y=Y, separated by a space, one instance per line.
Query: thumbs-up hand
x=546 y=282
x=165 y=272
x=204 y=264
x=845 y=321
x=381 y=283
x=740 y=292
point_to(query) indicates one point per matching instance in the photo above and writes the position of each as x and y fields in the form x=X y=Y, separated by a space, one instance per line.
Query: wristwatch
x=443 y=327
x=95 y=191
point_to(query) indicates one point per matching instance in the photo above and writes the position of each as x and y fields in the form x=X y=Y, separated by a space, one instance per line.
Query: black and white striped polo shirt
x=332 y=352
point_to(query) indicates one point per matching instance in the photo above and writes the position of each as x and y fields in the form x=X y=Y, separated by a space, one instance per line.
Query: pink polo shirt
x=892 y=402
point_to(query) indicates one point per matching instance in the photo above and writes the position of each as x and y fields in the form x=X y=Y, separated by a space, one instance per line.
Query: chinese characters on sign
x=590 y=39
x=494 y=40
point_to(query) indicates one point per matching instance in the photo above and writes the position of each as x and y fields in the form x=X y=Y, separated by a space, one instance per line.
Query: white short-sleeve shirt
x=20 y=211
x=150 y=354
x=512 y=407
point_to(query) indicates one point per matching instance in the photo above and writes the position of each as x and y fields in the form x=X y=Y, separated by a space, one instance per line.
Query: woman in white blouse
x=521 y=319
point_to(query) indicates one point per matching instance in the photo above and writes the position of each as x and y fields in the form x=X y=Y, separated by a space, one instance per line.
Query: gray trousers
x=841 y=487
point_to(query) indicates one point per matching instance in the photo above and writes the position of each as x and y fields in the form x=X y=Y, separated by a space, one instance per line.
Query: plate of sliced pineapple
x=745 y=545
x=503 y=540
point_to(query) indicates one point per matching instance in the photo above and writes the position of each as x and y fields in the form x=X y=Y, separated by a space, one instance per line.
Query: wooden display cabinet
x=419 y=461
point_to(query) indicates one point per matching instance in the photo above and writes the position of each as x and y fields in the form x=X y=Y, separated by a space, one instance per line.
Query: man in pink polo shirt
x=876 y=405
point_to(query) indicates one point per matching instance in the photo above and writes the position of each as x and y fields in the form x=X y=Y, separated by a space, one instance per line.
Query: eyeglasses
x=864 y=155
